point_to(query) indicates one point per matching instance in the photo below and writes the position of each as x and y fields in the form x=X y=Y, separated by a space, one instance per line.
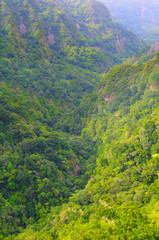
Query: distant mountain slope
x=66 y=25
x=62 y=45
x=144 y=54
x=100 y=30
x=152 y=36
x=140 y=16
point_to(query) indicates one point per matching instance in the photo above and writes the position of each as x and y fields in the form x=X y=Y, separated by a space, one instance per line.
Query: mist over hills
x=139 y=16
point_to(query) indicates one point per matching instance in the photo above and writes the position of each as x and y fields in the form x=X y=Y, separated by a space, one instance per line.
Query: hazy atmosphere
x=140 y=16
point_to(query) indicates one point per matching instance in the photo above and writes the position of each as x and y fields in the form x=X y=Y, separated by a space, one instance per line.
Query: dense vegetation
x=121 y=199
x=57 y=131
x=152 y=36
x=39 y=88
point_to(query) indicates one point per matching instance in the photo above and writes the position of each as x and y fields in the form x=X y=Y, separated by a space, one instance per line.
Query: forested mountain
x=140 y=16
x=152 y=36
x=121 y=199
x=79 y=30
x=53 y=120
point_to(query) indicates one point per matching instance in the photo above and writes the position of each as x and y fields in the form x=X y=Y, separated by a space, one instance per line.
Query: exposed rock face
x=78 y=26
x=120 y=44
x=108 y=99
x=97 y=48
x=91 y=177
x=142 y=16
x=78 y=170
x=154 y=48
x=22 y=28
x=51 y=38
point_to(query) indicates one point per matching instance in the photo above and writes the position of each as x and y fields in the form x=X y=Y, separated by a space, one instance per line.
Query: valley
x=79 y=118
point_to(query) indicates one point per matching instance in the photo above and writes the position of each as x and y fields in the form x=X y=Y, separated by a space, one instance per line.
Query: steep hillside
x=51 y=58
x=140 y=16
x=121 y=198
x=39 y=167
x=101 y=32
x=83 y=32
x=152 y=36
x=144 y=54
